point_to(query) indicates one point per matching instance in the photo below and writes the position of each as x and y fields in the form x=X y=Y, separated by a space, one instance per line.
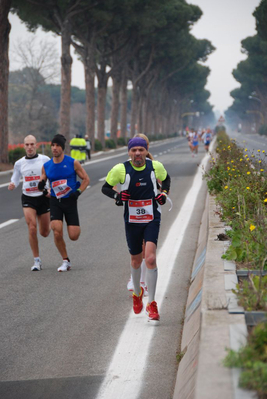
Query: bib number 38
x=140 y=211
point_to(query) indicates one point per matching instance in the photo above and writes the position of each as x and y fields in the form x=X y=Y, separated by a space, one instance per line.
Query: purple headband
x=137 y=142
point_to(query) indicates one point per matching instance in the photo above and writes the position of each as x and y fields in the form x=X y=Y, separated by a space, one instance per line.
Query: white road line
x=10 y=221
x=124 y=376
x=7 y=184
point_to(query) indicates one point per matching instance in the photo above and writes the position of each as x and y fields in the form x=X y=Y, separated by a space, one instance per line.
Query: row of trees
x=250 y=99
x=146 y=43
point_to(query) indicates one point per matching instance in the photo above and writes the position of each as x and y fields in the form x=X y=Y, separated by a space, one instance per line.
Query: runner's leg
x=74 y=232
x=152 y=270
x=57 y=227
x=30 y=217
x=136 y=261
x=44 y=224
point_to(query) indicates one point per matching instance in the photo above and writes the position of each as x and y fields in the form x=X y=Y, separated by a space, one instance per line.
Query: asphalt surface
x=59 y=331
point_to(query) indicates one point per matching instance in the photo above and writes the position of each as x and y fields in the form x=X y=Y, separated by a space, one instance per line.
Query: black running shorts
x=137 y=232
x=64 y=207
x=41 y=204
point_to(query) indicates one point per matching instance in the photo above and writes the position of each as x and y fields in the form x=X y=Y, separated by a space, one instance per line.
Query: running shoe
x=37 y=266
x=143 y=284
x=138 y=302
x=130 y=286
x=66 y=266
x=152 y=311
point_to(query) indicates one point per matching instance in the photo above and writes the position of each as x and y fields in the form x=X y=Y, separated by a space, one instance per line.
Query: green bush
x=14 y=155
x=263 y=130
x=121 y=141
x=98 y=145
x=252 y=359
x=110 y=143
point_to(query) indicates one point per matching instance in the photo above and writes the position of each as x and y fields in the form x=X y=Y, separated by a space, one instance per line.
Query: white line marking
x=10 y=221
x=7 y=184
x=125 y=372
x=102 y=179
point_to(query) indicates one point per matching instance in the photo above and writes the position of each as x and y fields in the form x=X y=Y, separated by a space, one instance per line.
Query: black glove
x=161 y=198
x=45 y=192
x=122 y=197
x=41 y=185
x=75 y=194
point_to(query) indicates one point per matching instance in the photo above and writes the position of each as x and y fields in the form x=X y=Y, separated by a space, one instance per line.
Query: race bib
x=61 y=188
x=140 y=211
x=31 y=184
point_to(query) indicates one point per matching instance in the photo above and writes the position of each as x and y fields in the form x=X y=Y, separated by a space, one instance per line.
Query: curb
x=208 y=327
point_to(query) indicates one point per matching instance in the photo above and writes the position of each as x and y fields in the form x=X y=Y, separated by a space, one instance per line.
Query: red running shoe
x=152 y=311
x=138 y=302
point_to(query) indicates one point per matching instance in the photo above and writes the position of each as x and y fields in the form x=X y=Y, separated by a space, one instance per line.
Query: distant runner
x=35 y=205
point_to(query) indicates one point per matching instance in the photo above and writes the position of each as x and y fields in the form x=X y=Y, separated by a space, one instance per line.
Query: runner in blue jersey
x=62 y=172
x=142 y=215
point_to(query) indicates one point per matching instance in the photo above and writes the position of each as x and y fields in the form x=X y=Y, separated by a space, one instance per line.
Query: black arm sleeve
x=166 y=184
x=108 y=190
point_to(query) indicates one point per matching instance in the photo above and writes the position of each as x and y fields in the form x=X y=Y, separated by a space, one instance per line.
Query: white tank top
x=30 y=171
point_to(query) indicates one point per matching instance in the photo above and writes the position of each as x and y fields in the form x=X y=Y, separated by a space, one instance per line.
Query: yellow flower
x=259 y=161
x=248 y=173
x=265 y=200
x=233 y=207
x=263 y=151
x=259 y=150
x=262 y=170
x=232 y=161
x=247 y=188
x=241 y=159
x=225 y=187
x=246 y=149
x=252 y=227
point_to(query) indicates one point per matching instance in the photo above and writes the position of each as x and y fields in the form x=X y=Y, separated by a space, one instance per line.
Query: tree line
x=142 y=44
x=249 y=108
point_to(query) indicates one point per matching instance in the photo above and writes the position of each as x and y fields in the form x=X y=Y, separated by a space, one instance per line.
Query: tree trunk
x=4 y=68
x=89 y=71
x=101 y=105
x=115 y=106
x=124 y=103
x=134 y=110
x=66 y=63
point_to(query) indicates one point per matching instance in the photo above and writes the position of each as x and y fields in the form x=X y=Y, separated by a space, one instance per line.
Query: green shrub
x=121 y=141
x=263 y=130
x=98 y=145
x=16 y=154
x=252 y=359
x=110 y=143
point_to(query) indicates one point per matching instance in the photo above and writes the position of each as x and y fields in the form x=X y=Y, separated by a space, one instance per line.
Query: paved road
x=60 y=331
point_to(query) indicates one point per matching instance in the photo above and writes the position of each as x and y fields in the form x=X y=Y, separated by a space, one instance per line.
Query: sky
x=225 y=23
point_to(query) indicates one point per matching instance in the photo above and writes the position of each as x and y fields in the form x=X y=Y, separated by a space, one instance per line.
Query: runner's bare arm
x=82 y=175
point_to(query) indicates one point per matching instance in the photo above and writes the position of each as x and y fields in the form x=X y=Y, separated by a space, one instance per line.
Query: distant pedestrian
x=88 y=146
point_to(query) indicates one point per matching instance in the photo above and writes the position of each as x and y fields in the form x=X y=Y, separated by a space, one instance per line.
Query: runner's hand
x=161 y=198
x=41 y=185
x=75 y=194
x=123 y=196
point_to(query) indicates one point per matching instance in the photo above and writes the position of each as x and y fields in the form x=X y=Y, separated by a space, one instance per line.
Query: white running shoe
x=66 y=266
x=130 y=286
x=145 y=288
x=37 y=266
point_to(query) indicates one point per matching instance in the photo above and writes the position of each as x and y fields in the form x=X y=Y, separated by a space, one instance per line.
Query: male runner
x=35 y=204
x=62 y=172
x=142 y=214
